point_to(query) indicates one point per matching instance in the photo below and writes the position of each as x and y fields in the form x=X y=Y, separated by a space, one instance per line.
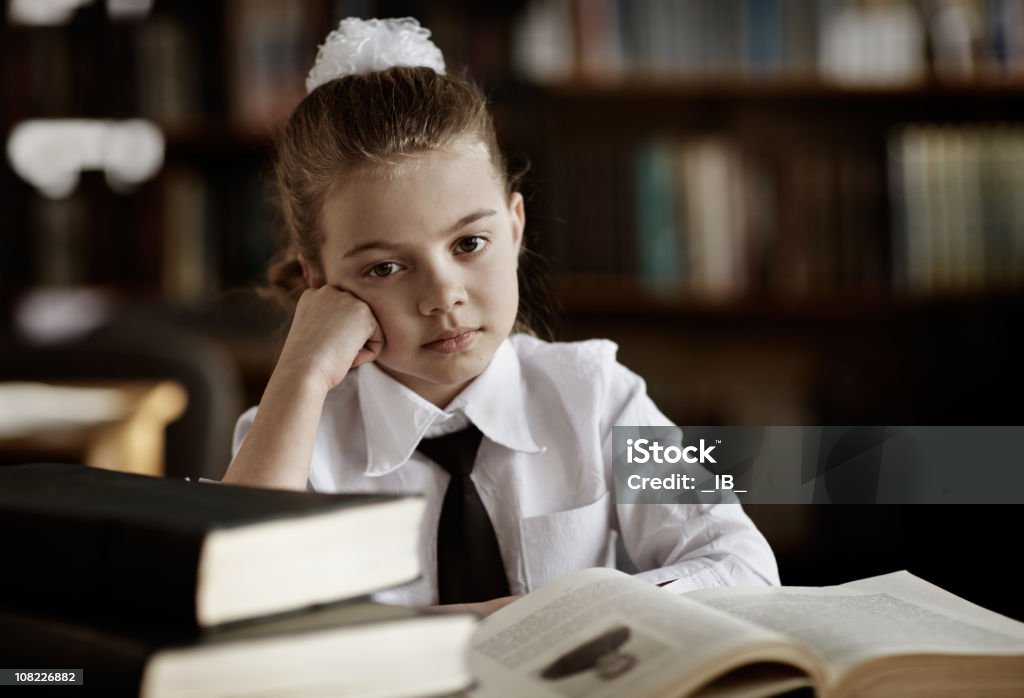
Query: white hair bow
x=360 y=46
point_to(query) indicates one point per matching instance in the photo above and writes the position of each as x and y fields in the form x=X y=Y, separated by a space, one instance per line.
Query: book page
x=600 y=632
x=881 y=616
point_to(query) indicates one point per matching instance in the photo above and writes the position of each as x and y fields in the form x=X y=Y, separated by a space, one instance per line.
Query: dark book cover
x=86 y=541
x=114 y=655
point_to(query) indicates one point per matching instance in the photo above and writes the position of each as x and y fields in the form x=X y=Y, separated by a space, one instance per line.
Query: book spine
x=763 y=26
x=799 y=27
x=656 y=218
x=168 y=75
x=269 y=43
x=625 y=212
x=99 y=568
x=1013 y=180
x=544 y=41
x=188 y=268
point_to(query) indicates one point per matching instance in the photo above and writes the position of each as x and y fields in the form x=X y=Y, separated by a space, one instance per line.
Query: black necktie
x=469 y=565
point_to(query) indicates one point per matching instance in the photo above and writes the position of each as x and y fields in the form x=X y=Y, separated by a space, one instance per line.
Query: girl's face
x=432 y=246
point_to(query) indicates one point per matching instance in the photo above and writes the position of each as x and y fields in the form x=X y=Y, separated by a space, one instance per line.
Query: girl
x=405 y=236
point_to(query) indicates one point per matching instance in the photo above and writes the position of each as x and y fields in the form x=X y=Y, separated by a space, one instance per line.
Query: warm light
x=128 y=9
x=50 y=12
x=50 y=154
x=42 y=12
x=61 y=314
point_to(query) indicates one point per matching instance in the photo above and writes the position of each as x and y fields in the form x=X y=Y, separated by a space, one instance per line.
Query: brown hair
x=374 y=120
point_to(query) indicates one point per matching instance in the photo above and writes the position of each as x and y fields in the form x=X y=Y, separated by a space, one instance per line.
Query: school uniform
x=543 y=470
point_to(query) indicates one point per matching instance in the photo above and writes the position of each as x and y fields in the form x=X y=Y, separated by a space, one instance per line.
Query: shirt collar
x=396 y=418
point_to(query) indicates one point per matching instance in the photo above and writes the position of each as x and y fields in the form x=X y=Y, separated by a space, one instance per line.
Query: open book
x=600 y=632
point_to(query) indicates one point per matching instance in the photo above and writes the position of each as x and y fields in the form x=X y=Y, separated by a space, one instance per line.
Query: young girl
x=403 y=269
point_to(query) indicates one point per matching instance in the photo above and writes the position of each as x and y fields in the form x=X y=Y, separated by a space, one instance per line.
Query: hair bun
x=365 y=46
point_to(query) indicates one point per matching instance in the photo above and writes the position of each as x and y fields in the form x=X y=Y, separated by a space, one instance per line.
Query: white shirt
x=543 y=471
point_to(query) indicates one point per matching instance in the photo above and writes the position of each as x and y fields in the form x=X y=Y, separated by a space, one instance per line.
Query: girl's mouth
x=454 y=341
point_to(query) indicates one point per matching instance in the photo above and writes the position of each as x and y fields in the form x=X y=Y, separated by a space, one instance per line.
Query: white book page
x=886 y=615
x=602 y=633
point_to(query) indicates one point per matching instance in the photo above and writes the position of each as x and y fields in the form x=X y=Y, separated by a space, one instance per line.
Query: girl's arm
x=277 y=450
x=332 y=332
x=681 y=546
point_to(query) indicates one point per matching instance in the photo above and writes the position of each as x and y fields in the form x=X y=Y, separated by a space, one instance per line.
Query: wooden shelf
x=215 y=136
x=765 y=110
x=620 y=297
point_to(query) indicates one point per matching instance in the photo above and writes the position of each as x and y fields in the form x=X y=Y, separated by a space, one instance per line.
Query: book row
x=205 y=232
x=259 y=61
x=707 y=215
x=218 y=231
x=958 y=216
x=839 y=40
x=715 y=219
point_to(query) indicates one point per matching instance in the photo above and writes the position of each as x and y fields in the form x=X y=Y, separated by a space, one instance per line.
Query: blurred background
x=784 y=211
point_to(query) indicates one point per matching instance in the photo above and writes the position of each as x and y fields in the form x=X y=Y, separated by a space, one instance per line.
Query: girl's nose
x=442 y=292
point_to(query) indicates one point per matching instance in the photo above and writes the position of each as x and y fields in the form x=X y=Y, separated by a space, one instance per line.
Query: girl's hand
x=332 y=332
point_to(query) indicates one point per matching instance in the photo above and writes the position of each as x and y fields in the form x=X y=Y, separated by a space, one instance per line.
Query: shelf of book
x=784 y=191
x=840 y=41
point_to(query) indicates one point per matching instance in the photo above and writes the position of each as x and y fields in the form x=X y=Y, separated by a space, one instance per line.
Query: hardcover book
x=89 y=542
x=348 y=649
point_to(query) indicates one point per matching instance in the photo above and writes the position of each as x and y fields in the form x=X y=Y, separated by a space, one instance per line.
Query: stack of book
x=161 y=587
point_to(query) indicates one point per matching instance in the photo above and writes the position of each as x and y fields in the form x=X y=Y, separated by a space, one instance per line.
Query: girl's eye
x=471 y=244
x=382 y=270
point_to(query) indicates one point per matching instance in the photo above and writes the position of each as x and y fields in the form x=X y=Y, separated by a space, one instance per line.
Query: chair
x=145 y=347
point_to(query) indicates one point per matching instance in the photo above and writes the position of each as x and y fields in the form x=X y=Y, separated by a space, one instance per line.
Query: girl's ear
x=310 y=273
x=517 y=208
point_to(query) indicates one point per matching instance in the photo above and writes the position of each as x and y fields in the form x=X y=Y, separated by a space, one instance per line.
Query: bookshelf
x=801 y=141
x=817 y=171
x=783 y=184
